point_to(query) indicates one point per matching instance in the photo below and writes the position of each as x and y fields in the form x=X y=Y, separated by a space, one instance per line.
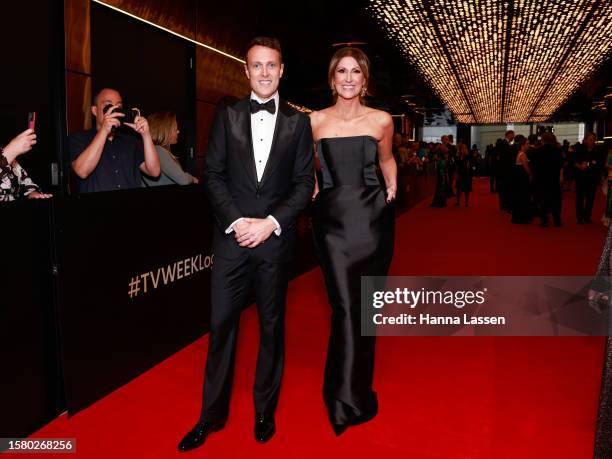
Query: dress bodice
x=348 y=161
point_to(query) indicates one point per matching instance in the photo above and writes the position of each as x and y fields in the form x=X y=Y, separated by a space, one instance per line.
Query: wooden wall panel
x=219 y=76
x=78 y=102
x=77 y=35
x=176 y=15
x=227 y=25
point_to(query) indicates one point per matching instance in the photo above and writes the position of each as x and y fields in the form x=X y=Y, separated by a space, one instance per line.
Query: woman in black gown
x=442 y=181
x=465 y=172
x=353 y=226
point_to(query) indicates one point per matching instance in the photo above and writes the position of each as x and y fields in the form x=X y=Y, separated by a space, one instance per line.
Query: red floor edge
x=440 y=397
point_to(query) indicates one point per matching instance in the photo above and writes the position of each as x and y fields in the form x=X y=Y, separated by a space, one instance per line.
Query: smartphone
x=32 y=120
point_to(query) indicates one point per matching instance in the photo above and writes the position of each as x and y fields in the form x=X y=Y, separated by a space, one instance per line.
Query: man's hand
x=20 y=145
x=140 y=124
x=260 y=229
x=110 y=120
x=241 y=228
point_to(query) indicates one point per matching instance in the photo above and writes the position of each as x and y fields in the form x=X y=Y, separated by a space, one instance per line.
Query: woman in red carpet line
x=353 y=226
x=465 y=172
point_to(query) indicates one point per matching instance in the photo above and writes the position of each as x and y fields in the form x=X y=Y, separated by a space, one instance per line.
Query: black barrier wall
x=134 y=281
x=31 y=392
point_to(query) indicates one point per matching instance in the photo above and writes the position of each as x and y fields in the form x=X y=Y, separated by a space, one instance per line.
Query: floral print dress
x=14 y=181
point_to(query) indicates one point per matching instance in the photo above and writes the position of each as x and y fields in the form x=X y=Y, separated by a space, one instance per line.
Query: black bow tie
x=269 y=106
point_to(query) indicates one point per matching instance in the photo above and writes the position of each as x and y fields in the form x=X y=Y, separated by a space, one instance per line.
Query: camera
x=130 y=113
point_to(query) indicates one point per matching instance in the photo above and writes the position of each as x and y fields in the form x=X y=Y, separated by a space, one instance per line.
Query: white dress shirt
x=262 y=131
x=262 y=134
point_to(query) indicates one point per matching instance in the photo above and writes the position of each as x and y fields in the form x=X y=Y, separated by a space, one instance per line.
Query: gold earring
x=363 y=91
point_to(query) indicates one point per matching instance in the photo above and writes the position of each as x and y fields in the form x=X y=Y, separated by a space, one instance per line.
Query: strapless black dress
x=353 y=230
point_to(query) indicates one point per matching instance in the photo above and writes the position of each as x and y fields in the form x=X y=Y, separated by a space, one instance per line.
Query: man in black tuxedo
x=547 y=167
x=258 y=176
x=588 y=163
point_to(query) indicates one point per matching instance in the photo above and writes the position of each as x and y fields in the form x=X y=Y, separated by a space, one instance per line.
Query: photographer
x=104 y=158
x=14 y=181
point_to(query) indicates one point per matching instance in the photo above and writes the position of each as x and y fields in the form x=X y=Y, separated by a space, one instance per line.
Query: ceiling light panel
x=510 y=61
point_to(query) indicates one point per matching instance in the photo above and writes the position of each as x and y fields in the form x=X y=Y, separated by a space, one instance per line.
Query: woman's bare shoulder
x=380 y=117
x=318 y=115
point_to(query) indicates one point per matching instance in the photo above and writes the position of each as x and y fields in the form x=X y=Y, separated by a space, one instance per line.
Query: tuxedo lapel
x=283 y=133
x=240 y=123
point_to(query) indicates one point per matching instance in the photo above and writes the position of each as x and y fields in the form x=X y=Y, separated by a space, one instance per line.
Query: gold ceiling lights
x=511 y=61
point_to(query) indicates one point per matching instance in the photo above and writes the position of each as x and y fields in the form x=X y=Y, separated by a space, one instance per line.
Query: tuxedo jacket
x=230 y=177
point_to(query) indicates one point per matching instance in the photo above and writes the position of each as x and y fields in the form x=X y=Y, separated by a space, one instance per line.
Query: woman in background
x=465 y=171
x=164 y=132
x=442 y=182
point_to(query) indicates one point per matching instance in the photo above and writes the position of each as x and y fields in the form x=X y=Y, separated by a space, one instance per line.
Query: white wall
x=522 y=129
x=434 y=133
x=572 y=132
x=483 y=135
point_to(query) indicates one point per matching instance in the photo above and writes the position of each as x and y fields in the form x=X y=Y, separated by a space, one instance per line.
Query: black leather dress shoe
x=198 y=434
x=264 y=427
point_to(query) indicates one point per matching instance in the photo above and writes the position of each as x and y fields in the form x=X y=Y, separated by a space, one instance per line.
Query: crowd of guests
x=455 y=166
x=529 y=175
x=112 y=155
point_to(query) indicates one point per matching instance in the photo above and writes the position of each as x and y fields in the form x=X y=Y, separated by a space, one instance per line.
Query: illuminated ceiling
x=512 y=61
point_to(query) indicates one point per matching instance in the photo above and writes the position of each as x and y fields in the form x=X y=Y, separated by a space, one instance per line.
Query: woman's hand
x=37 y=195
x=391 y=191
x=20 y=145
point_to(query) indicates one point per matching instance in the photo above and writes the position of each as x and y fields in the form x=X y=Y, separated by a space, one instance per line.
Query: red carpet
x=439 y=397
